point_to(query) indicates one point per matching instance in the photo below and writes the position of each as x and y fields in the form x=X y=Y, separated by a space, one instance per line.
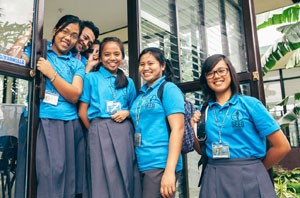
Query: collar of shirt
x=106 y=73
x=145 y=87
x=232 y=100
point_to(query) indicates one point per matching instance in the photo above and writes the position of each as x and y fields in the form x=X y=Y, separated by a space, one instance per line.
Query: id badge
x=137 y=139
x=220 y=150
x=51 y=98
x=112 y=107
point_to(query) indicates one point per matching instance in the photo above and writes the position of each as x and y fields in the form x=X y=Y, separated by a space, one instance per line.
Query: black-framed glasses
x=222 y=71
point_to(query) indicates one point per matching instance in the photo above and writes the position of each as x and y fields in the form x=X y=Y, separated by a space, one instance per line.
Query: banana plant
x=293 y=113
x=288 y=45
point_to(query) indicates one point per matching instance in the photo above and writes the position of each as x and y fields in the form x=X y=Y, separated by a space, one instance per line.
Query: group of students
x=98 y=137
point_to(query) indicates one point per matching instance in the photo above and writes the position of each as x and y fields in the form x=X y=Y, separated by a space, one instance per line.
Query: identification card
x=112 y=107
x=137 y=139
x=51 y=98
x=220 y=150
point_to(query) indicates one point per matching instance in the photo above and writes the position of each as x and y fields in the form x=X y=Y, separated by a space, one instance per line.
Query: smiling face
x=218 y=79
x=65 y=39
x=111 y=56
x=150 y=69
x=86 y=40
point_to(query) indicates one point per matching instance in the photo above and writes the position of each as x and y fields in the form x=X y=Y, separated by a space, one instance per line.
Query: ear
x=163 y=67
x=54 y=31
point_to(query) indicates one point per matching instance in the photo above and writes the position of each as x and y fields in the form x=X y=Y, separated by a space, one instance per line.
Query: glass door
x=19 y=29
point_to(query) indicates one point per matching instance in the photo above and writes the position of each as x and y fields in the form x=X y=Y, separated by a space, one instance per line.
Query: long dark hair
x=64 y=22
x=121 y=80
x=160 y=57
x=208 y=65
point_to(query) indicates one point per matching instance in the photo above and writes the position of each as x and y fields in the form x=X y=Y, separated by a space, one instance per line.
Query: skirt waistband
x=233 y=161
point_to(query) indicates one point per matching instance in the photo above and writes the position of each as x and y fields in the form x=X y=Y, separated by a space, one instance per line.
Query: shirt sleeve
x=131 y=92
x=80 y=69
x=86 y=92
x=173 y=99
x=262 y=119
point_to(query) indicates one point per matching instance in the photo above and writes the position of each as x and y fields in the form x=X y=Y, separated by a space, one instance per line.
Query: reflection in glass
x=16 y=27
x=13 y=133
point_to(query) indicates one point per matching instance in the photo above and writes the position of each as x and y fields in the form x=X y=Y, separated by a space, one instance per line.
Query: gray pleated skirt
x=60 y=158
x=113 y=169
x=236 y=178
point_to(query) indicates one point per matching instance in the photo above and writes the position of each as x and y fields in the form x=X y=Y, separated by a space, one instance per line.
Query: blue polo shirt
x=67 y=67
x=153 y=152
x=99 y=87
x=245 y=128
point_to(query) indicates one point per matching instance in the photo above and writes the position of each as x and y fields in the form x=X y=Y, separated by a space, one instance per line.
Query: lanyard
x=113 y=90
x=139 y=106
x=220 y=128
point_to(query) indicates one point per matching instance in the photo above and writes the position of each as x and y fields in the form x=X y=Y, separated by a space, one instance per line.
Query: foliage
x=287 y=182
x=288 y=44
x=292 y=114
x=9 y=32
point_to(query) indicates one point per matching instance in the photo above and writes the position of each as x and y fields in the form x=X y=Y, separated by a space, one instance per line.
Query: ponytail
x=121 y=80
x=169 y=71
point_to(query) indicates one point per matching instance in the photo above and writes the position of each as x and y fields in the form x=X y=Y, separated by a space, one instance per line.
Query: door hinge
x=32 y=73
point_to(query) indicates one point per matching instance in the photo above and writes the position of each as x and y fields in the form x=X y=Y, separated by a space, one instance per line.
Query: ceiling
x=111 y=15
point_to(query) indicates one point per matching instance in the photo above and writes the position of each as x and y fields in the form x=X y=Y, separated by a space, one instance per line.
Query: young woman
x=158 y=153
x=59 y=137
x=237 y=127
x=104 y=109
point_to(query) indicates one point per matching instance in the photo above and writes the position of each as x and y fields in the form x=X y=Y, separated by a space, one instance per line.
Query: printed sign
x=12 y=59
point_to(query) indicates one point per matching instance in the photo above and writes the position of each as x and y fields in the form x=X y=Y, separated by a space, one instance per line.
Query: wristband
x=53 y=78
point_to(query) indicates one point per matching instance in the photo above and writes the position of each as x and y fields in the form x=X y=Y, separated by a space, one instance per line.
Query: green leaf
x=297 y=96
x=288 y=15
x=284 y=102
x=287 y=118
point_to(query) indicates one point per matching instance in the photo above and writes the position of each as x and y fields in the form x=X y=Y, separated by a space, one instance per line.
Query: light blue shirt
x=153 y=152
x=99 y=87
x=67 y=67
x=245 y=127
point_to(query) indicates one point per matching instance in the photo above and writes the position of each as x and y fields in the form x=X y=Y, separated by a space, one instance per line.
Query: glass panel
x=293 y=72
x=158 y=30
x=15 y=29
x=291 y=87
x=272 y=75
x=225 y=37
x=245 y=89
x=13 y=133
x=191 y=40
x=273 y=96
x=235 y=36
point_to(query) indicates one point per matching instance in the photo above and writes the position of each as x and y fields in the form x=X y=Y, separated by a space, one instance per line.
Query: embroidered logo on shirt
x=237 y=119
x=150 y=102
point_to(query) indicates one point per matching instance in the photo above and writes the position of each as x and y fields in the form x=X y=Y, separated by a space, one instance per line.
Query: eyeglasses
x=222 y=71
x=68 y=33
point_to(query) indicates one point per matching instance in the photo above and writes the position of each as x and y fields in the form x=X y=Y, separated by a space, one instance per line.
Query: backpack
x=188 y=137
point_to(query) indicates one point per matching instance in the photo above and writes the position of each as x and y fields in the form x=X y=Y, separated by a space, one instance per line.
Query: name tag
x=112 y=107
x=137 y=139
x=51 y=98
x=220 y=150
